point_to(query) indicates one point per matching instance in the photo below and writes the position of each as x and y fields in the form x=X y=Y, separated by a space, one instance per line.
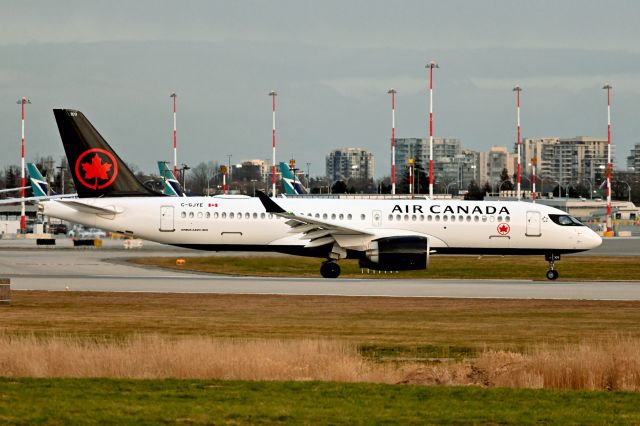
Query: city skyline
x=331 y=64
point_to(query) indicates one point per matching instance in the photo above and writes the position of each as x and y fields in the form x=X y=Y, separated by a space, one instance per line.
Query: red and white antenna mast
x=175 y=149
x=431 y=65
x=273 y=95
x=608 y=88
x=517 y=89
x=393 y=92
x=23 y=221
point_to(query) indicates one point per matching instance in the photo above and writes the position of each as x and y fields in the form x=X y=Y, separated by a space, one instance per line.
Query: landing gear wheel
x=330 y=269
x=552 y=274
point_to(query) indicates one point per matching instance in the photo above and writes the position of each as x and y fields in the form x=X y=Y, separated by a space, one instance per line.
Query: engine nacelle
x=401 y=253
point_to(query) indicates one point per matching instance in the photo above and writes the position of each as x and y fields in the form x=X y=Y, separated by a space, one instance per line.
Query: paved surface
x=105 y=270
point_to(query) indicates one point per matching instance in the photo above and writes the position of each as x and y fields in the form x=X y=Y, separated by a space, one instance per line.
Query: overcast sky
x=331 y=63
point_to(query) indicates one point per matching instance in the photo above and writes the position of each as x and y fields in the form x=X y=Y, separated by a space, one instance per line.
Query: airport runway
x=105 y=270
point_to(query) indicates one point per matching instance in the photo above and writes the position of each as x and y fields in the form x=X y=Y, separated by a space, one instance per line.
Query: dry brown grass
x=606 y=365
x=153 y=357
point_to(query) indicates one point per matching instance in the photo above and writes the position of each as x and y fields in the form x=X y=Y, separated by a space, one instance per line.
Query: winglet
x=269 y=205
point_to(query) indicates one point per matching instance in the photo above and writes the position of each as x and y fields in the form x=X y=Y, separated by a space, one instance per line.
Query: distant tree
x=505 y=181
x=340 y=187
x=12 y=174
x=474 y=192
x=486 y=188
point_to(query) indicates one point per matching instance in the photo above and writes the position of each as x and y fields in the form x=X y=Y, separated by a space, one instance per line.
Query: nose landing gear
x=552 y=274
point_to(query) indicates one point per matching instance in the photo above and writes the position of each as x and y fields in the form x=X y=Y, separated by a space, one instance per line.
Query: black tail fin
x=96 y=169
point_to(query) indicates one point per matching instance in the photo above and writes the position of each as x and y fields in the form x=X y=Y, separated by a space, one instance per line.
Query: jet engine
x=400 y=253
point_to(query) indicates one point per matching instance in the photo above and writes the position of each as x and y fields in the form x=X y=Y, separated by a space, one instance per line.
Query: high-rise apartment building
x=633 y=160
x=566 y=160
x=350 y=163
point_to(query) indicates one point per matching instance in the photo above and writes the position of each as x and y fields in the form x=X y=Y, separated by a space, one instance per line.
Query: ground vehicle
x=58 y=228
x=91 y=233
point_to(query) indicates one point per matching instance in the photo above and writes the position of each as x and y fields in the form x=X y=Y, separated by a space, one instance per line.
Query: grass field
x=142 y=402
x=625 y=268
x=385 y=332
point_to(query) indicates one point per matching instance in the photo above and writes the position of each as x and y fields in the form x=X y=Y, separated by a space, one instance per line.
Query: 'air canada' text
x=458 y=209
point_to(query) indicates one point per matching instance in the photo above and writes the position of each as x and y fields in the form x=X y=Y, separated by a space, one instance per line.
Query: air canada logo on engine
x=96 y=168
x=455 y=209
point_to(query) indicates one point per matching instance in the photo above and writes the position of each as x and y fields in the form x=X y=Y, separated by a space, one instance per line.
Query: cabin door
x=533 y=224
x=166 y=219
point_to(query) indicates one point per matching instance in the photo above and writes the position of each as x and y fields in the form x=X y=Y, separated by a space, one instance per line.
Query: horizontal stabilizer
x=88 y=208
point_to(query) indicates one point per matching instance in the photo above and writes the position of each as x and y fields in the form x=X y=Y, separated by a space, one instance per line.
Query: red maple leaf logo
x=96 y=169
x=503 y=229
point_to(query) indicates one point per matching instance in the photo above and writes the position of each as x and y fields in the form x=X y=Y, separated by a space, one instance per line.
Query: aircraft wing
x=318 y=232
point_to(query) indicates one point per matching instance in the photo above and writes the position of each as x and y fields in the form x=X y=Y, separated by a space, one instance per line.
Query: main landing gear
x=330 y=269
x=552 y=274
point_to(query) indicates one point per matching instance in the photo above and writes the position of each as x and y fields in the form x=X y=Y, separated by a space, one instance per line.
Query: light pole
x=393 y=92
x=517 y=89
x=273 y=95
x=228 y=172
x=309 y=176
x=175 y=149
x=608 y=88
x=23 y=220
x=431 y=65
x=590 y=188
x=183 y=171
x=534 y=163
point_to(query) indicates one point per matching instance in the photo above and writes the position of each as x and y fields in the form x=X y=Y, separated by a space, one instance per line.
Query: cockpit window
x=565 y=220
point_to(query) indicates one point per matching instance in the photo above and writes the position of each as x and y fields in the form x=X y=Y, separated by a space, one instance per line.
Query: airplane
x=385 y=235
x=171 y=185
x=291 y=185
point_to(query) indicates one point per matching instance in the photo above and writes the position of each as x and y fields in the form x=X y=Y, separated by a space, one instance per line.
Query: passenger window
x=445 y=218
x=421 y=218
x=341 y=216
x=224 y=215
x=507 y=219
x=390 y=217
x=484 y=218
x=333 y=215
x=398 y=217
x=215 y=215
x=183 y=215
x=317 y=215
x=247 y=215
x=453 y=218
x=324 y=215
x=262 y=215
x=270 y=216
x=207 y=215
x=460 y=218
x=437 y=218
x=406 y=217
x=499 y=218
x=476 y=219
x=349 y=217
x=199 y=215
x=231 y=215
x=190 y=215
x=468 y=218
x=362 y=217
x=429 y=218
x=255 y=215
x=414 y=217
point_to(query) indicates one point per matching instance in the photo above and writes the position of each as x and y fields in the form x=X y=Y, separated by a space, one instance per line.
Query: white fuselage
x=241 y=223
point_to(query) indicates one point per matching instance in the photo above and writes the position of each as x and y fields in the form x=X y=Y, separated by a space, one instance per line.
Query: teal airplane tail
x=291 y=185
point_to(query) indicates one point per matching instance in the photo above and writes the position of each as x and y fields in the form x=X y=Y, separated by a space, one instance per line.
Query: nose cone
x=592 y=240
